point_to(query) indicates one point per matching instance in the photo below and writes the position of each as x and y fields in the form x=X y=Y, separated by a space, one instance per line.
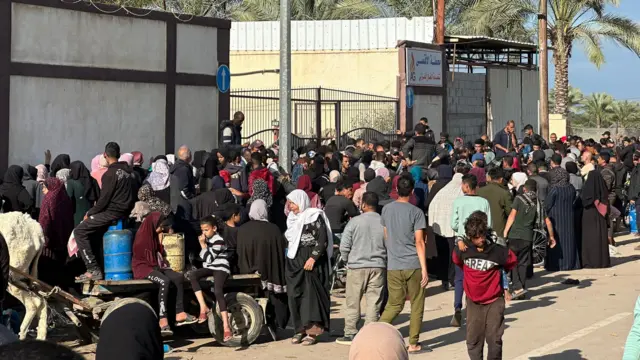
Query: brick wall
x=466 y=107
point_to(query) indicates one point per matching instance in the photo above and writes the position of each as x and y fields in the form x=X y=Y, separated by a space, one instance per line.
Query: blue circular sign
x=223 y=79
x=410 y=97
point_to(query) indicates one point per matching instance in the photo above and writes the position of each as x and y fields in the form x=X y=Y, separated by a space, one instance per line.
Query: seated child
x=148 y=263
x=215 y=263
x=482 y=263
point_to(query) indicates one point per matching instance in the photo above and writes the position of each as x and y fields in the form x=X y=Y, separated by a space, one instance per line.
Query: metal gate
x=318 y=114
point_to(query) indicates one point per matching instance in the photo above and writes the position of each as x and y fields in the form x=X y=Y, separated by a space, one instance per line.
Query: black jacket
x=621 y=178
x=235 y=139
x=119 y=191
x=183 y=188
x=421 y=149
x=626 y=156
x=634 y=184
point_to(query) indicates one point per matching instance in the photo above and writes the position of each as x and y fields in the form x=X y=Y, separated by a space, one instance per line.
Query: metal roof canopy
x=487 y=51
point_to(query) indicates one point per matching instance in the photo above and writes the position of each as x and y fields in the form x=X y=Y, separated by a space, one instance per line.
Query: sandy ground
x=562 y=322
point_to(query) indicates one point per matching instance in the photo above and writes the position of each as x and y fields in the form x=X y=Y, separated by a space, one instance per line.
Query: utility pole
x=543 y=70
x=440 y=22
x=284 y=140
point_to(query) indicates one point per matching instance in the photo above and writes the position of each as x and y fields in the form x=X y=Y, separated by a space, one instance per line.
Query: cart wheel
x=246 y=320
x=539 y=247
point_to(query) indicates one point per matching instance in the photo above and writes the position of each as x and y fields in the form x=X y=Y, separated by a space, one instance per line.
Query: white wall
x=514 y=96
x=79 y=117
x=321 y=35
x=431 y=107
x=197 y=48
x=466 y=108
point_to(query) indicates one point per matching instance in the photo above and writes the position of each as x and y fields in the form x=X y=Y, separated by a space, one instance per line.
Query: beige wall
x=367 y=71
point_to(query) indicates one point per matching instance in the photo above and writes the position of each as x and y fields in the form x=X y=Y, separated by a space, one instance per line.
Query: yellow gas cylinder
x=174 y=248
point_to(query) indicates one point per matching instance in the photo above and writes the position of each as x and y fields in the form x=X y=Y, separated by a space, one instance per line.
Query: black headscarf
x=199 y=159
x=334 y=164
x=559 y=177
x=211 y=165
x=209 y=202
x=379 y=187
x=80 y=173
x=353 y=174
x=62 y=161
x=594 y=189
x=130 y=332
x=14 y=194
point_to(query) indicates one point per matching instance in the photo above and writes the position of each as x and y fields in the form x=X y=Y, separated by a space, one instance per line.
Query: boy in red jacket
x=482 y=263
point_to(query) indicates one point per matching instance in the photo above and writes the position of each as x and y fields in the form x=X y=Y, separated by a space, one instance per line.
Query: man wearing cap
x=626 y=154
x=606 y=135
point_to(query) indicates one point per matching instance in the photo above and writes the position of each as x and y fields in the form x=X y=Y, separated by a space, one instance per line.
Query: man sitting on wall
x=116 y=201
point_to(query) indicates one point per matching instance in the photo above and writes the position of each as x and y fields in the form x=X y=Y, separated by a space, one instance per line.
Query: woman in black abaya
x=559 y=206
x=595 y=248
x=307 y=268
x=261 y=249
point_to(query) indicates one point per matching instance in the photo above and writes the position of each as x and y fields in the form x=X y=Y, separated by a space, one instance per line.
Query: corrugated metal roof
x=368 y=34
x=490 y=40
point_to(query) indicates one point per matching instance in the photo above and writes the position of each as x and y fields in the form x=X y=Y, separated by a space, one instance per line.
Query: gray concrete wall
x=431 y=107
x=78 y=117
x=466 y=105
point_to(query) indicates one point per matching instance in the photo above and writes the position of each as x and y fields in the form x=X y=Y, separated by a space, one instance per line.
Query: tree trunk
x=561 y=82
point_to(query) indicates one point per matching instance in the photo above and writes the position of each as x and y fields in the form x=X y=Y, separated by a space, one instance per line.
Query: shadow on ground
x=573 y=354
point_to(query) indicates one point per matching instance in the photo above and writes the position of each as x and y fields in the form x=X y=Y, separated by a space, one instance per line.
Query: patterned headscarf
x=559 y=177
x=43 y=173
x=63 y=175
x=261 y=191
x=56 y=216
x=147 y=195
x=159 y=175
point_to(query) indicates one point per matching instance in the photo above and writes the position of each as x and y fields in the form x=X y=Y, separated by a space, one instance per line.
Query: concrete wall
x=431 y=107
x=78 y=117
x=79 y=78
x=368 y=71
x=466 y=105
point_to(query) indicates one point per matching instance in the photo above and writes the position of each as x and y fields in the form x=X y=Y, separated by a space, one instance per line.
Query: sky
x=619 y=76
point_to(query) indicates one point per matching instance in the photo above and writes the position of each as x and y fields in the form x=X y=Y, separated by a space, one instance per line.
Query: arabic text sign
x=424 y=67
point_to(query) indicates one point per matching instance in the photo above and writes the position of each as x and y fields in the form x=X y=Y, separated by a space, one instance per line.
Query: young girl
x=215 y=262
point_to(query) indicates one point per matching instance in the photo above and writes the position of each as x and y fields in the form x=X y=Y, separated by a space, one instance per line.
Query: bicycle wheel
x=539 y=247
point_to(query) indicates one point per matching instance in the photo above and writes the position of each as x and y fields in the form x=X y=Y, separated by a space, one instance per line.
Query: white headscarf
x=296 y=222
x=258 y=210
x=334 y=176
x=517 y=180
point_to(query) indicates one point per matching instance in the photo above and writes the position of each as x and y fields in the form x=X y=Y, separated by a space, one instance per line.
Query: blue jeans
x=459 y=291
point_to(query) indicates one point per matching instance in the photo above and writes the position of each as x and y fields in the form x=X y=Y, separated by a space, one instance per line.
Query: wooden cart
x=245 y=302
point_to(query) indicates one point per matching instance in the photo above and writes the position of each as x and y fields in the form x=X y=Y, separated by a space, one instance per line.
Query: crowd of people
x=395 y=212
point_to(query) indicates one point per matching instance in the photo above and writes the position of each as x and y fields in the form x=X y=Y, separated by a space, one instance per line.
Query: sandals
x=190 y=319
x=228 y=335
x=166 y=331
x=309 y=340
x=90 y=276
x=297 y=339
x=204 y=317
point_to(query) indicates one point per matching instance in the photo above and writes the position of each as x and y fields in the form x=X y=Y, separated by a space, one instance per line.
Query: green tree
x=598 y=108
x=269 y=10
x=570 y=22
x=625 y=113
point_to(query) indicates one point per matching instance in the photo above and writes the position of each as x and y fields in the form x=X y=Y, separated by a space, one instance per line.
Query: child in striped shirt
x=215 y=263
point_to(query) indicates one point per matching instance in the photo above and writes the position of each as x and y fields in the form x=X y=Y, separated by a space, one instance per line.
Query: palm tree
x=625 y=112
x=575 y=99
x=598 y=107
x=269 y=10
x=585 y=22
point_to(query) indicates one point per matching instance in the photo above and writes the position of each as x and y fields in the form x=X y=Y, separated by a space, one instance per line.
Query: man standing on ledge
x=231 y=131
